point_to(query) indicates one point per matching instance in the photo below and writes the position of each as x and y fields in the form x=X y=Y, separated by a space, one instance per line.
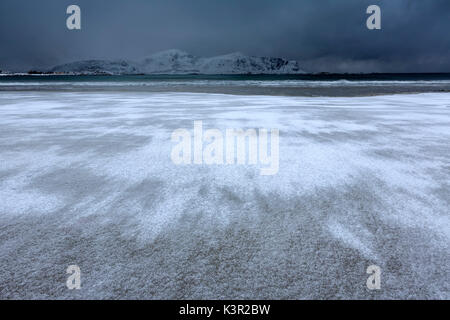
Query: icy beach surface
x=86 y=178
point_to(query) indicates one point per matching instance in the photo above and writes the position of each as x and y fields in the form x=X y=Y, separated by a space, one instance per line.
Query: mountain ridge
x=176 y=61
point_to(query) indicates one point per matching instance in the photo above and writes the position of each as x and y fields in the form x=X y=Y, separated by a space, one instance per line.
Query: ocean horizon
x=289 y=85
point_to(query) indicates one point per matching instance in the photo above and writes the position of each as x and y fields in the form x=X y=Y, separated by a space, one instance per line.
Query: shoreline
x=335 y=91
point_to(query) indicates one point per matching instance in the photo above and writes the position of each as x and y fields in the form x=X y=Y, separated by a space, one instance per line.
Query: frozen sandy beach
x=86 y=178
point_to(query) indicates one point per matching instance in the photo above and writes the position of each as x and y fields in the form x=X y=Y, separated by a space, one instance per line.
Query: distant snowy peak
x=98 y=67
x=238 y=63
x=180 y=62
x=170 y=62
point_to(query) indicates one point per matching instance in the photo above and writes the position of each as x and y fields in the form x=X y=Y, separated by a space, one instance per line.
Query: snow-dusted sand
x=86 y=179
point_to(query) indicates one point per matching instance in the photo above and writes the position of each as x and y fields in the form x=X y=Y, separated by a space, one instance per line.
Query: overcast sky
x=324 y=35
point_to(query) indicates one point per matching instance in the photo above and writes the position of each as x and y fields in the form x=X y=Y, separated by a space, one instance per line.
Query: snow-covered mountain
x=98 y=67
x=180 y=62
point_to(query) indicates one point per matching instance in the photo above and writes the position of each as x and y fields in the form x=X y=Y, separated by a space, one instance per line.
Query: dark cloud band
x=326 y=35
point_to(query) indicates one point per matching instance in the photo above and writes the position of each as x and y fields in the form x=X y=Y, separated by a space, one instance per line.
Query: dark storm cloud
x=325 y=35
